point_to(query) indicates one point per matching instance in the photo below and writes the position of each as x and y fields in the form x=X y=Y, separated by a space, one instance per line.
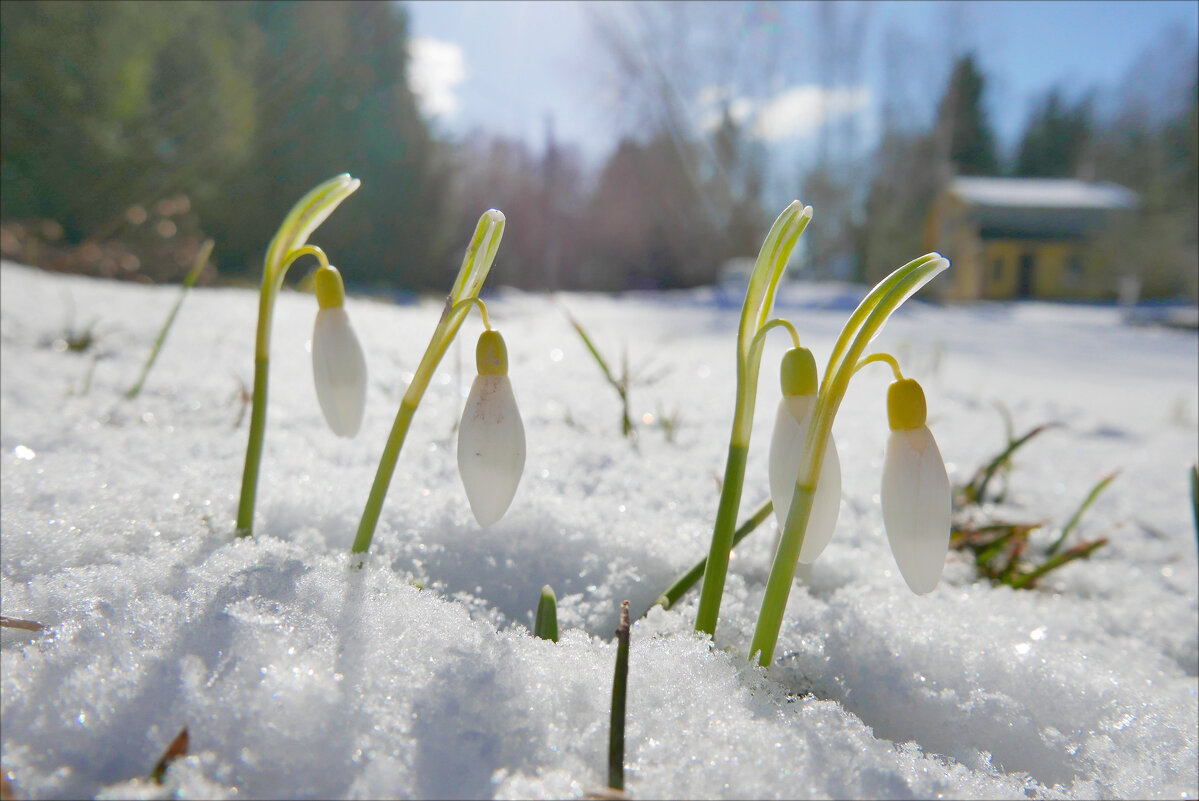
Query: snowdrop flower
x=491 y=437
x=915 y=492
x=791 y=425
x=338 y=366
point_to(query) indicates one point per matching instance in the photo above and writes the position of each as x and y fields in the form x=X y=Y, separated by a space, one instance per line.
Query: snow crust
x=416 y=676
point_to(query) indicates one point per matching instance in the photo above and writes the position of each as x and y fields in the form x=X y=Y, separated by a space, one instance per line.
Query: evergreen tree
x=963 y=123
x=1055 y=140
x=104 y=105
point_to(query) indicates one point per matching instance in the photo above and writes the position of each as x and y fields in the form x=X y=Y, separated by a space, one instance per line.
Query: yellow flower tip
x=330 y=290
x=491 y=354
x=906 y=407
x=798 y=372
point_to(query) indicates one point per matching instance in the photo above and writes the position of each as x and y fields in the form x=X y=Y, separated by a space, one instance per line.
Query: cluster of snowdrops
x=804 y=468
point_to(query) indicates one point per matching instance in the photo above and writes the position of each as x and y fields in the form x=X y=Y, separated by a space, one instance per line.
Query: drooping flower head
x=491 y=436
x=791 y=424
x=338 y=366
x=916 y=497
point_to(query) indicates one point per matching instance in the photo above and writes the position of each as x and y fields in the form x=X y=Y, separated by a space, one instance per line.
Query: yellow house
x=1025 y=237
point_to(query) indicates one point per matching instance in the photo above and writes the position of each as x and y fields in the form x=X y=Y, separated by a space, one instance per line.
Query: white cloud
x=437 y=67
x=795 y=112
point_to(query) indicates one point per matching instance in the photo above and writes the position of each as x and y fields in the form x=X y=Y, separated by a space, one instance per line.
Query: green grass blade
x=976 y=490
x=188 y=281
x=620 y=683
x=545 y=625
x=1080 y=551
x=1090 y=499
x=689 y=579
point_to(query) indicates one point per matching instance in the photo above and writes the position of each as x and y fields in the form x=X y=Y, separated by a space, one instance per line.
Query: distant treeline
x=110 y=111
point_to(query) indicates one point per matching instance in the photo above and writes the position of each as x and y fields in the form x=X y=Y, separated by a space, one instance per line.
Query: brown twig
x=176 y=749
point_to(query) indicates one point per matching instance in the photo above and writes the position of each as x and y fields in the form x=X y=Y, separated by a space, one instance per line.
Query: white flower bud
x=491 y=437
x=338 y=370
x=916 y=506
x=791 y=425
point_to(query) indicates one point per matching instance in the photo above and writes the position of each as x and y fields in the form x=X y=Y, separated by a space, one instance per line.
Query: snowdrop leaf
x=304 y=218
x=768 y=270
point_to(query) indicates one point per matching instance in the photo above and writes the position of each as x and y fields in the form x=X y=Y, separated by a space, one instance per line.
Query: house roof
x=1040 y=208
x=1042 y=193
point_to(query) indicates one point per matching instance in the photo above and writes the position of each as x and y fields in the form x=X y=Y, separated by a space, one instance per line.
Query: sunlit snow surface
x=299 y=677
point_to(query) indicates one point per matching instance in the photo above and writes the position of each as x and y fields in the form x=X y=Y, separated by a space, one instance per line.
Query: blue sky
x=507 y=66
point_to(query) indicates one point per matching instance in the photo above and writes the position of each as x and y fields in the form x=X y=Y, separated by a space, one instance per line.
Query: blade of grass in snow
x=1080 y=551
x=1091 y=496
x=689 y=579
x=545 y=625
x=620 y=682
x=976 y=490
x=620 y=385
x=188 y=281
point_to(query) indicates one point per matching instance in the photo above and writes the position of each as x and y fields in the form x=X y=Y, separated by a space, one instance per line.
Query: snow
x=1062 y=193
x=416 y=676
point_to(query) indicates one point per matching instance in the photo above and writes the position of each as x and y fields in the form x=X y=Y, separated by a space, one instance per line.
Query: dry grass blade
x=17 y=623
x=176 y=749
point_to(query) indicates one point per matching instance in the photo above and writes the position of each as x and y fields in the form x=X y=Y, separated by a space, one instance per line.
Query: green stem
x=778 y=585
x=755 y=314
x=864 y=325
x=271 y=281
x=688 y=580
x=717 y=564
x=620 y=682
x=288 y=244
x=249 y=476
x=886 y=358
x=387 y=466
x=477 y=262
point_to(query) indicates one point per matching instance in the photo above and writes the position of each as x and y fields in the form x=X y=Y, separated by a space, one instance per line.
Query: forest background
x=132 y=131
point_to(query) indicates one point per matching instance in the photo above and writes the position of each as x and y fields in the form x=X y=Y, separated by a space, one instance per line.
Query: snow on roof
x=1043 y=193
